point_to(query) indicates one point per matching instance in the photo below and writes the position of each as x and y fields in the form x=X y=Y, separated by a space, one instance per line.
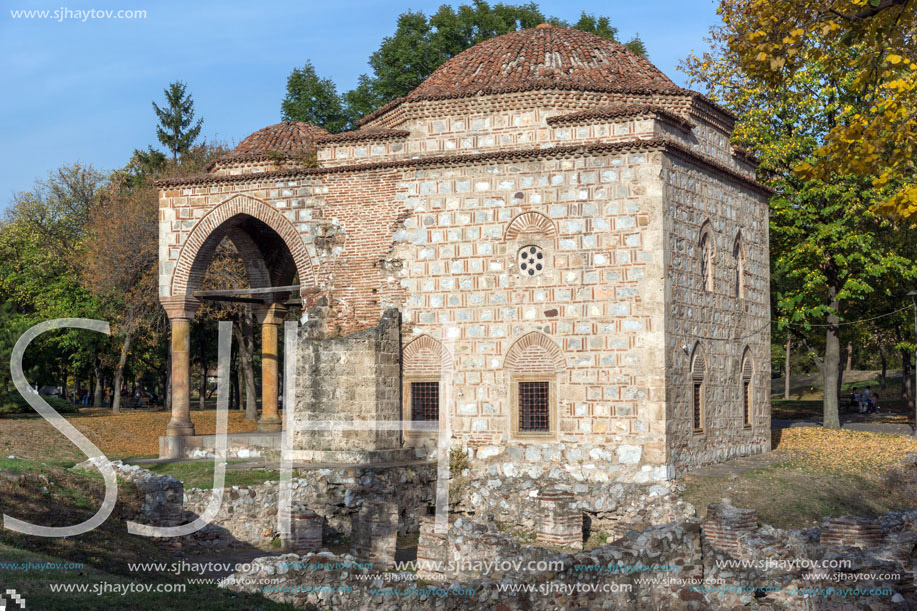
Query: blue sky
x=81 y=91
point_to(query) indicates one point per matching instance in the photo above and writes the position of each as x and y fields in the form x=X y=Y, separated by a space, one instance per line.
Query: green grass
x=789 y=495
x=18 y=465
x=200 y=474
x=13 y=403
x=34 y=587
x=50 y=495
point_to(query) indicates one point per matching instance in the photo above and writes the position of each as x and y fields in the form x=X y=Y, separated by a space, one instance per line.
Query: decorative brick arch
x=530 y=223
x=424 y=356
x=225 y=220
x=698 y=363
x=534 y=353
x=748 y=364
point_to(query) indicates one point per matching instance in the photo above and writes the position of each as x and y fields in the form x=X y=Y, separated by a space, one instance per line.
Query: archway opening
x=242 y=269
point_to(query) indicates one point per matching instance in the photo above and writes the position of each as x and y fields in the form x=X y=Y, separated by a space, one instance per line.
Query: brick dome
x=286 y=139
x=545 y=57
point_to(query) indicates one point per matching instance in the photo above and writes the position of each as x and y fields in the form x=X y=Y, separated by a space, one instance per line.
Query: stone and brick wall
x=718 y=324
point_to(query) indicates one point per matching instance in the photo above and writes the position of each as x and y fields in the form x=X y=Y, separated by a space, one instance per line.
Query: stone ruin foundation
x=858 y=532
x=724 y=525
x=726 y=560
x=305 y=534
x=560 y=524
x=374 y=532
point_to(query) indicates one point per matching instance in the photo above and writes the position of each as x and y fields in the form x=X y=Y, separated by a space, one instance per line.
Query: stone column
x=180 y=311
x=270 y=318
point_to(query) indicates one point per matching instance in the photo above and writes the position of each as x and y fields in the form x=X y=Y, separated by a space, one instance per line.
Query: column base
x=172 y=447
x=179 y=429
x=270 y=425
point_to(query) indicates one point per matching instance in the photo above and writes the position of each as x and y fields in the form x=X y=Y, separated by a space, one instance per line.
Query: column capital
x=180 y=306
x=270 y=313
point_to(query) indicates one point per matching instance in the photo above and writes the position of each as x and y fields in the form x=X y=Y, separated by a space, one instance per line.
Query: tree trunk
x=832 y=364
x=884 y=358
x=202 y=388
x=786 y=367
x=245 y=338
x=906 y=375
x=840 y=382
x=97 y=391
x=233 y=388
x=119 y=375
x=849 y=356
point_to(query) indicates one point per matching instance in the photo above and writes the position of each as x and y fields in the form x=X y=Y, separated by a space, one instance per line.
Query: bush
x=13 y=403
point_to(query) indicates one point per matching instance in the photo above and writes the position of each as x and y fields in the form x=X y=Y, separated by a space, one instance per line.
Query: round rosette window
x=531 y=260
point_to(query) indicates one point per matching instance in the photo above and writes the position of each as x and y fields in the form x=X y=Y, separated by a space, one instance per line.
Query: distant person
x=867 y=398
x=875 y=403
x=858 y=399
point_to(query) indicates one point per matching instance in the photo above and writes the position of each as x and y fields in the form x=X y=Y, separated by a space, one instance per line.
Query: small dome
x=545 y=57
x=286 y=139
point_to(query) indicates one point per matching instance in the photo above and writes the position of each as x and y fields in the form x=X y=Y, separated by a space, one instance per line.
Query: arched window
x=748 y=389
x=423 y=361
x=698 y=389
x=706 y=248
x=534 y=363
x=738 y=252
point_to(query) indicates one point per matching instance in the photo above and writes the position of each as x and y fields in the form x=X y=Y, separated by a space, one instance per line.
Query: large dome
x=545 y=57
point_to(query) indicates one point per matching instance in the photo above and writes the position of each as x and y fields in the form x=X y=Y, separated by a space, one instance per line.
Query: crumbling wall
x=350 y=379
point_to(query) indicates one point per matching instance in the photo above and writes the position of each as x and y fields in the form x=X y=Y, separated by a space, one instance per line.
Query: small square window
x=424 y=401
x=534 y=408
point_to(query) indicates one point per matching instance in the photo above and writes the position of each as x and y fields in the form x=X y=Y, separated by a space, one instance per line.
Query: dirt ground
x=129 y=434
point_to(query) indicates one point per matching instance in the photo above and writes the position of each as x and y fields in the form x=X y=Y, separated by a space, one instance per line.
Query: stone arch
x=268 y=242
x=748 y=364
x=534 y=353
x=530 y=223
x=698 y=363
x=425 y=356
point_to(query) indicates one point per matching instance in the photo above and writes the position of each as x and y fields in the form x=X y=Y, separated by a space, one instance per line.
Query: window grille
x=534 y=407
x=424 y=401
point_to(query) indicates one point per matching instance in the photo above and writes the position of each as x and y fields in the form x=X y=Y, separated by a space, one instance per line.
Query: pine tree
x=177 y=129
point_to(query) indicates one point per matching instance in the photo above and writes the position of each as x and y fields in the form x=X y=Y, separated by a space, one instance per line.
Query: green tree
x=40 y=249
x=177 y=129
x=420 y=45
x=875 y=132
x=829 y=250
x=313 y=99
